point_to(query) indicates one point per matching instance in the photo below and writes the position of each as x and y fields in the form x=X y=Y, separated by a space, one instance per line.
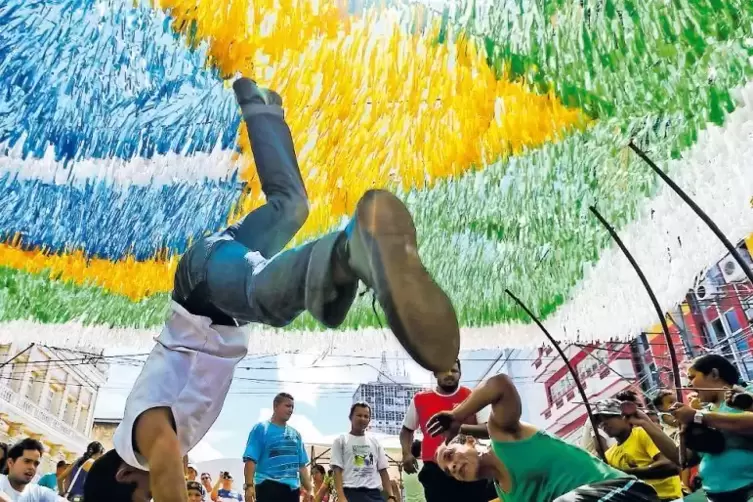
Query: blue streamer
x=110 y=222
x=107 y=79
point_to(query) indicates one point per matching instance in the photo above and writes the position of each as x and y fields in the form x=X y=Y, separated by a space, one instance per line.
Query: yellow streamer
x=134 y=279
x=368 y=104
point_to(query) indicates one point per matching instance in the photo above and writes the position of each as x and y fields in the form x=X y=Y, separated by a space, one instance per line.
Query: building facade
x=604 y=372
x=389 y=398
x=49 y=394
x=716 y=316
x=103 y=429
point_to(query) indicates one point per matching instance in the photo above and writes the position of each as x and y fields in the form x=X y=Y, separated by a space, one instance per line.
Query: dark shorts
x=439 y=487
x=363 y=495
x=272 y=491
x=617 y=490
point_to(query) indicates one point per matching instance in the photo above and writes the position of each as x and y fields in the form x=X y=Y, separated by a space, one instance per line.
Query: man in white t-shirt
x=359 y=462
x=23 y=461
x=241 y=275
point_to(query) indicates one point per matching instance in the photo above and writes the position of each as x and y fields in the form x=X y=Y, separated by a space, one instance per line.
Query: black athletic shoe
x=381 y=250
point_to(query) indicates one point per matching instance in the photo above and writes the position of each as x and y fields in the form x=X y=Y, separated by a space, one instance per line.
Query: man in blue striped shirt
x=275 y=458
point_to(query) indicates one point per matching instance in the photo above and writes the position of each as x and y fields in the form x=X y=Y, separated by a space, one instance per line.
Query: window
x=732 y=321
x=717 y=329
x=747 y=304
x=561 y=386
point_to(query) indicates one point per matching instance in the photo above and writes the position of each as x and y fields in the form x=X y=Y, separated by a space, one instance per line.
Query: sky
x=323 y=389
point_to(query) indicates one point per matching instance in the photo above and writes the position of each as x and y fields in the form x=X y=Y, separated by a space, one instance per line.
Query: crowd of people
x=641 y=441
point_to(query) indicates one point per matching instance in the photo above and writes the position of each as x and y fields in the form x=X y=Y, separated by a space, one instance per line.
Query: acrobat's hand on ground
x=445 y=423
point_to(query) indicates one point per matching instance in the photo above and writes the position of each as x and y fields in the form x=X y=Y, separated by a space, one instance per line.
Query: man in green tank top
x=526 y=464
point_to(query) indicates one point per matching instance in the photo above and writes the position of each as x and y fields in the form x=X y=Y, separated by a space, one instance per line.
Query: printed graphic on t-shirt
x=363 y=460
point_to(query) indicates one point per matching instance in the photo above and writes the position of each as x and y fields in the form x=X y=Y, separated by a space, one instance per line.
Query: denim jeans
x=242 y=271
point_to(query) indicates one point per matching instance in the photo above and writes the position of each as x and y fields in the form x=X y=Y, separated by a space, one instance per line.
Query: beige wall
x=103 y=432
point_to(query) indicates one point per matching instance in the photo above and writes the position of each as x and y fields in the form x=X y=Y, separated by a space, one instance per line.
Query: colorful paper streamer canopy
x=498 y=123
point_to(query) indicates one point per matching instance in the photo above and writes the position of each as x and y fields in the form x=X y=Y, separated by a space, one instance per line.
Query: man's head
x=282 y=407
x=191 y=472
x=61 y=467
x=195 y=491
x=227 y=481
x=360 y=416
x=460 y=458
x=111 y=479
x=608 y=414
x=628 y=395
x=206 y=478
x=23 y=460
x=449 y=380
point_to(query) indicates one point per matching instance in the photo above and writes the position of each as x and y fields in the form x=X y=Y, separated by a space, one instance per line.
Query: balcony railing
x=10 y=396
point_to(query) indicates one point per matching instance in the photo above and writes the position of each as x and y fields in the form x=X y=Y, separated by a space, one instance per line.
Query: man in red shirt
x=447 y=395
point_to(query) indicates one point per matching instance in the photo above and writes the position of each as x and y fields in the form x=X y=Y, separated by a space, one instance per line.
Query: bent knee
x=295 y=209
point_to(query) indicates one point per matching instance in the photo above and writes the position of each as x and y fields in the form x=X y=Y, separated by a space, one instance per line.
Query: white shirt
x=189 y=370
x=587 y=439
x=31 y=493
x=411 y=415
x=361 y=458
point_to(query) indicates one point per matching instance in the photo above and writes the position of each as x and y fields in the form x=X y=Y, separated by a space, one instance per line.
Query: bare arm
x=158 y=443
x=306 y=480
x=339 y=483
x=740 y=423
x=479 y=431
x=660 y=468
x=319 y=496
x=63 y=480
x=501 y=394
x=386 y=483
x=216 y=489
x=406 y=440
x=249 y=473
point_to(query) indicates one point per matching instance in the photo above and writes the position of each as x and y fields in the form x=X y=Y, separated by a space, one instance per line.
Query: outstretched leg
x=270 y=227
x=233 y=279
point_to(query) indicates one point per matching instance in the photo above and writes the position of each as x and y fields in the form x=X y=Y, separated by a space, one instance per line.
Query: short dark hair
x=459 y=439
x=658 y=400
x=61 y=463
x=282 y=396
x=359 y=404
x=27 y=444
x=101 y=484
x=195 y=485
x=318 y=468
x=628 y=395
x=727 y=371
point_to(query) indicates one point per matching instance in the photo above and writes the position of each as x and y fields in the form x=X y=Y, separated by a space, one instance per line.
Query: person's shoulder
x=295 y=433
x=423 y=394
x=640 y=433
x=261 y=426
